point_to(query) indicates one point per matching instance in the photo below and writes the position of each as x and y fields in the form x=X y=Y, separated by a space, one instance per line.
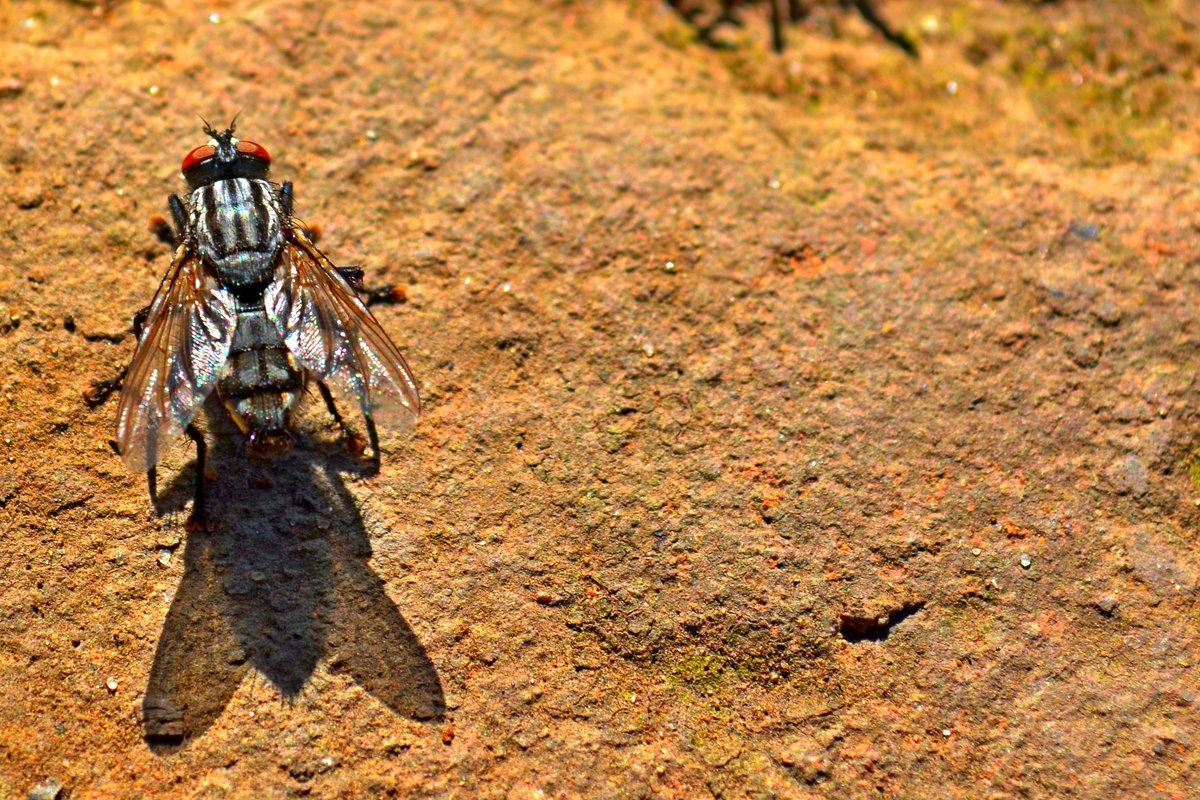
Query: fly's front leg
x=172 y=237
x=379 y=294
x=287 y=204
x=179 y=214
x=287 y=198
x=99 y=391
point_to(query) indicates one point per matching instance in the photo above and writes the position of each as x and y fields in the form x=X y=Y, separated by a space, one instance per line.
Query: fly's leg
x=179 y=214
x=373 y=439
x=352 y=276
x=777 y=14
x=354 y=440
x=287 y=203
x=327 y=396
x=287 y=198
x=198 y=521
x=379 y=294
x=172 y=237
x=99 y=391
x=139 y=322
x=685 y=10
x=866 y=9
x=726 y=17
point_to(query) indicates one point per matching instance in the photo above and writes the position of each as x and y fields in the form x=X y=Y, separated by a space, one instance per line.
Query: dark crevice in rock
x=856 y=629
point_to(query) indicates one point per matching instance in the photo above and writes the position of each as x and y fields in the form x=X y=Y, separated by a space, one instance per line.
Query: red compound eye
x=254 y=150
x=201 y=153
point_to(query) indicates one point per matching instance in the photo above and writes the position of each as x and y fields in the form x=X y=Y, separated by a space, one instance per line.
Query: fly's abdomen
x=237 y=223
x=261 y=382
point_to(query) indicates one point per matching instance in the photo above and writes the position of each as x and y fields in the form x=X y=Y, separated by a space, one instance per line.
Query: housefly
x=251 y=309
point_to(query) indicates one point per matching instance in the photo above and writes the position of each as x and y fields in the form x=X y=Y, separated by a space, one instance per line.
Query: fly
x=251 y=309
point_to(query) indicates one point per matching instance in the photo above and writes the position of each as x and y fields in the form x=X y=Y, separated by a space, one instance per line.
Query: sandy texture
x=801 y=427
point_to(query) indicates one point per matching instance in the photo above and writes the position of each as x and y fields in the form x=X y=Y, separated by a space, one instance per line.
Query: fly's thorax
x=237 y=224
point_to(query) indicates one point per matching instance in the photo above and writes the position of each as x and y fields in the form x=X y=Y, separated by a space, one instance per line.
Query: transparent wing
x=329 y=330
x=177 y=361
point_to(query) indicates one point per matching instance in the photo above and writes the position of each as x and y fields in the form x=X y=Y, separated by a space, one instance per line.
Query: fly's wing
x=329 y=330
x=183 y=347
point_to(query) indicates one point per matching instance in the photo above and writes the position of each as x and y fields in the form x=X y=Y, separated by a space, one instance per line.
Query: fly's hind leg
x=99 y=391
x=380 y=294
x=198 y=521
x=373 y=438
x=355 y=442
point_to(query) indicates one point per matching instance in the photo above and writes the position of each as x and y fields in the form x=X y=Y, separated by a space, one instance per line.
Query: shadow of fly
x=252 y=311
x=783 y=13
x=281 y=583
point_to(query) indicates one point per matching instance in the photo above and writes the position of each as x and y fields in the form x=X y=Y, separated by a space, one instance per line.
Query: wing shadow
x=281 y=581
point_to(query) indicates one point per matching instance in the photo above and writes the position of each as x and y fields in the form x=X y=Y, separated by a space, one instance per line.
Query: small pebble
x=11 y=88
x=30 y=197
x=1087 y=231
x=1107 y=605
x=1026 y=561
x=111 y=683
x=49 y=789
x=1128 y=475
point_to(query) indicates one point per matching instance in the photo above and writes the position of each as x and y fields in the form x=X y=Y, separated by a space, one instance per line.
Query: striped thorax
x=238 y=226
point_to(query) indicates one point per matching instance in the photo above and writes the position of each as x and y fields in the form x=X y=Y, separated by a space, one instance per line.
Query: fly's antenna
x=208 y=129
x=233 y=122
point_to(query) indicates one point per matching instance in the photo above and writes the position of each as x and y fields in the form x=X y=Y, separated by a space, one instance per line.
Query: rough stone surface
x=718 y=349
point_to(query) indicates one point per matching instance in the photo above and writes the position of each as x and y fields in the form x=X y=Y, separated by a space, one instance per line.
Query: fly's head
x=224 y=156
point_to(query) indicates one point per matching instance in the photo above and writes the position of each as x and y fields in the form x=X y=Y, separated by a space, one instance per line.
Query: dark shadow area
x=279 y=582
x=782 y=14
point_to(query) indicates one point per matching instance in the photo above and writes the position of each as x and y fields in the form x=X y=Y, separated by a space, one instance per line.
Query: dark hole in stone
x=855 y=629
